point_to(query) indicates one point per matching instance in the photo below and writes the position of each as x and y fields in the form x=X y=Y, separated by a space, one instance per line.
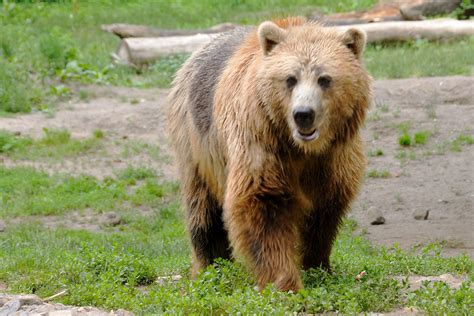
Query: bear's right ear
x=270 y=35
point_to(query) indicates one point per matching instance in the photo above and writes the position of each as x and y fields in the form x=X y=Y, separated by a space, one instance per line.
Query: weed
x=374 y=116
x=11 y=143
x=405 y=140
x=139 y=147
x=431 y=112
x=28 y=192
x=403 y=155
x=378 y=174
x=55 y=144
x=84 y=95
x=60 y=90
x=383 y=106
x=131 y=174
x=461 y=140
x=376 y=152
x=99 y=134
x=421 y=137
x=17 y=90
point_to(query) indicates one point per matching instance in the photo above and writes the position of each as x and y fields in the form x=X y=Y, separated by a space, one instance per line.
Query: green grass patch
x=461 y=140
x=420 y=59
x=24 y=191
x=118 y=269
x=403 y=155
x=45 y=45
x=62 y=40
x=19 y=91
x=10 y=143
x=405 y=140
x=133 y=148
x=376 y=152
x=378 y=174
x=421 y=137
x=55 y=144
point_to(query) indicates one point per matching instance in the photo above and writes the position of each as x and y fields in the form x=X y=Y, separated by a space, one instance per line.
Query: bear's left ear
x=355 y=40
x=269 y=36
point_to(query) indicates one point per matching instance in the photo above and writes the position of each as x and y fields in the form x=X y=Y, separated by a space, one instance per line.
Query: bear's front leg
x=263 y=227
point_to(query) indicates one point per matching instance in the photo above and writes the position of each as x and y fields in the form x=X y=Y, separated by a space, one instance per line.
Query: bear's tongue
x=307 y=136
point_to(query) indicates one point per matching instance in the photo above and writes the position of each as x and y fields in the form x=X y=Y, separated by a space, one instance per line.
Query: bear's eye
x=291 y=82
x=325 y=81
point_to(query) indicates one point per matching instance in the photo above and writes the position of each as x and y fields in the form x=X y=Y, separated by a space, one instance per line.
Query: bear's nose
x=304 y=117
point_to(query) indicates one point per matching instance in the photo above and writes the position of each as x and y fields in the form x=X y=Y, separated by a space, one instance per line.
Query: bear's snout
x=304 y=117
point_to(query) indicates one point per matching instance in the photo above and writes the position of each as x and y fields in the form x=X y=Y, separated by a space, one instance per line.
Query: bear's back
x=205 y=68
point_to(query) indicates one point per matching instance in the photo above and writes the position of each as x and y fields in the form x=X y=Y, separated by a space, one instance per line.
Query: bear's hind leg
x=205 y=226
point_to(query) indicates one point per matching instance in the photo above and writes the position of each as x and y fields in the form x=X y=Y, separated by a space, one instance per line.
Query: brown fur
x=280 y=201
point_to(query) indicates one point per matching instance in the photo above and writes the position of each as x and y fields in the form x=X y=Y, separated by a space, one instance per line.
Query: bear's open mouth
x=306 y=136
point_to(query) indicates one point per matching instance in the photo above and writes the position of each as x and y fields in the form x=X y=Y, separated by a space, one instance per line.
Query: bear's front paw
x=285 y=282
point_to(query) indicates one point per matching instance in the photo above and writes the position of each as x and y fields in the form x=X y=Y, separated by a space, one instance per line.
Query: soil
x=429 y=178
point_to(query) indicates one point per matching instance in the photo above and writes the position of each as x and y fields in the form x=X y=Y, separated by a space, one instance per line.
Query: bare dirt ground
x=421 y=178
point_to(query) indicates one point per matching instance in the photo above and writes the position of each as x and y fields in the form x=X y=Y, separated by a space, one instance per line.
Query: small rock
x=376 y=217
x=10 y=307
x=111 y=219
x=30 y=299
x=421 y=214
x=3 y=226
x=122 y=312
x=61 y=313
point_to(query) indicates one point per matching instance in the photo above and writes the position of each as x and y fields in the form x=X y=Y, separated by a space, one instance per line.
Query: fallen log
x=140 y=51
x=132 y=30
x=412 y=30
x=389 y=10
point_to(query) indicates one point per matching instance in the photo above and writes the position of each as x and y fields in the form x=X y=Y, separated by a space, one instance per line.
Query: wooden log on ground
x=140 y=51
x=419 y=9
x=390 y=10
x=412 y=30
x=132 y=30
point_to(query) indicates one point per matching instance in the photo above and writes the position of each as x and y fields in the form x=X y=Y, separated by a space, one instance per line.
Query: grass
x=405 y=140
x=55 y=144
x=378 y=174
x=25 y=192
x=376 y=152
x=126 y=260
x=402 y=155
x=421 y=137
x=420 y=59
x=454 y=145
x=118 y=269
x=39 y=58
x=461 y=140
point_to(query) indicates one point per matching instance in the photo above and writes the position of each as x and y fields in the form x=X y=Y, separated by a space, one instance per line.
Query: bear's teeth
x=307 y=137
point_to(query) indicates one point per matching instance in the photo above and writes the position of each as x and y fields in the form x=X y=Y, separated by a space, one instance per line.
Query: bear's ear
x=270 y=35
x=355 y=39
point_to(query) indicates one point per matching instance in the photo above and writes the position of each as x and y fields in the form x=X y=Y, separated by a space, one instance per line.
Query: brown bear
x=265 y=126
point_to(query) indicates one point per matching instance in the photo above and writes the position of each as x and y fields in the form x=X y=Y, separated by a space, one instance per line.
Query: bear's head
x=311 y=82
